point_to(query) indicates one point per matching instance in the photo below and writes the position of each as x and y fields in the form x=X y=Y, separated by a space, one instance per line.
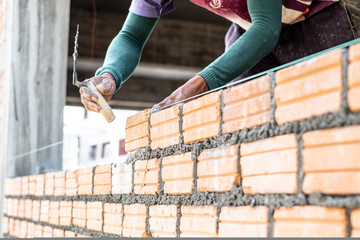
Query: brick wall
x=277 y=156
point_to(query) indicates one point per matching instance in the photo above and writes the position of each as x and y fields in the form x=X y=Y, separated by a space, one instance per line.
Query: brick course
x=134 y=221
x=94 y=212
x=146 y=177
x=113 y=214
x=102 y=180
x=84 y=178
x=137 y=131
x=198 y=221
x=163 y=220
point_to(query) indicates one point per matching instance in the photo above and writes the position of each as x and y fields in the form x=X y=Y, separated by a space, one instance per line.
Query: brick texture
x=310 y=221
x=65 y=213
x=25 y=186
x=59 y=233
x=47 y=232
x=201 y=118
x=355 y=222
x=36 y=210
x=137 y=131
x=23 y=229
x=330 y=161
x=177 y=174
x=59 y=184
x=79 y=213
x=218 y=169
x=198 y=221
x=40 y=185
x=44 y=210
x=69 y=234
x=30 y=230
x=163 y=220
x=270 y=165
x=38 y=231
x=84 y=178
x=71 y=183
x=113 y=214
x=310 y=88
x=28 y=208
x=49 y=184
x=54 y=207
x=5 y=225
x=94 y=216
x=102 y=180
x=21 y=208
x=165 y=129
x=121 y=178
x=353 y=78
x=32 y=185
x=134 y=221
x=146 y=177
x=247 y=105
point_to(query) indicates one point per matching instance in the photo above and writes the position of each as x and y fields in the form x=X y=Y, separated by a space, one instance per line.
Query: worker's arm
x=246 y=52
x=122 y=57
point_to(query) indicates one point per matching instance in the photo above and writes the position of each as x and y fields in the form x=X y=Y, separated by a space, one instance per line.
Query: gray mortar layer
x=161 y=182
x=147 y=227
x=181 y=114
x=348 y=220
x=221 y=112
x=178 y=217
x=272 y=97
x=344 y=77
x=218 y=211
x=93 y=180
x=300 y=174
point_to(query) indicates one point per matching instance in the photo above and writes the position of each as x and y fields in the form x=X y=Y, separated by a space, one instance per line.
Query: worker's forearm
x=124 y=52
x=251 y=47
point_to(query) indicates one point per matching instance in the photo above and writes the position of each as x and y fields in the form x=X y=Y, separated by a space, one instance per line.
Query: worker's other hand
x=105 y=84
x=193 y=87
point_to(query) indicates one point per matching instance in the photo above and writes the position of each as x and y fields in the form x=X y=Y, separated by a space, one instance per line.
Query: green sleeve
x=257 y=42
x=124 y=52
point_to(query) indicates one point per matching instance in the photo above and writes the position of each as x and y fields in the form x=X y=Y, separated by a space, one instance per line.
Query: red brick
x=28 y=209
x=59 y=184
x=44 y=210
x=25 y=186
x=177 y=174
x=330 y=161
x=79 y=213
x=310 y=88
x=47 y=232
x=49 y=184
x=65 y=213
x=247 y=105
x=113 y=214
x=165 y=129
x=23 y=229
x=163 y=220
x=353 y=78
x=58 y=233
x=198 y=221
x=71 y=183
x=32 y=185
x=134 y=221
x=94 y=215
x=201 y=118
x=102 y=180
x=121 y=178
x=218 y=169
x=84 y=180
x=5 y=225
x=137 y=131
x=267 y=164
x=40 y=185
x=54 y=212
x=38 y=231
x=310 y=221
x=69 y=234
x=146 y=177
x=30 y=230
x=243 y=221
x=355 y=222
x=21 y=208
x=36 y=210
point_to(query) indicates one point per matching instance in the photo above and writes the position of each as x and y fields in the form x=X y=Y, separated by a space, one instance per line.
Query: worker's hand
x=193 y=87
x=105 y=84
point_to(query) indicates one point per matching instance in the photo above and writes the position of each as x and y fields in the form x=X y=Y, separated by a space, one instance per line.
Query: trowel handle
x=105 y=108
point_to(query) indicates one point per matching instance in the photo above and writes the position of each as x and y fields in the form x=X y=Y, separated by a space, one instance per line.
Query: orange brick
x=134 y=221
x=59 y=184
x=21 y=208
x=121 y=178
x=49 y=184
x=330 y=161
x=12 y=227
x=54 y=212
x=69 y=234
x=8 y=184
x=218 y=170
x=58 y=233
x=71 y=183
x=36 y=210
x=65 y=213
x=247 y=105
x=47 y=232
x=310 y=221
x=267 y=164
x=44 y=210
x=25 y=186
x=201 y=118
x=353 y=78
x=32 y=185
x=163 y=220
x=243 y=221
x=355 y=222
x=23 y=229
x=38 y=231
x=102 y=180
x=113 y=214
x=94 y=212
x=165 y=129
x=137 y=131
x=16 y=187
x=79 y=213
x=28 y=209
x=310 y=88
x=84 y=181
x=198 y=221
x=40 y=185
x=5 y=225
x=30 y=230
x=12 y=205
x=177 y=174
x=146 y=177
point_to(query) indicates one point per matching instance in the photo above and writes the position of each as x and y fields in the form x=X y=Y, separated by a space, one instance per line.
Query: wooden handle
x=105 y=108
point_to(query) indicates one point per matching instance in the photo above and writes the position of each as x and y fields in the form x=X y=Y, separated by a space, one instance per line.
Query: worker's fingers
x=106 y=87
x=88 y=94
x=88 y=99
